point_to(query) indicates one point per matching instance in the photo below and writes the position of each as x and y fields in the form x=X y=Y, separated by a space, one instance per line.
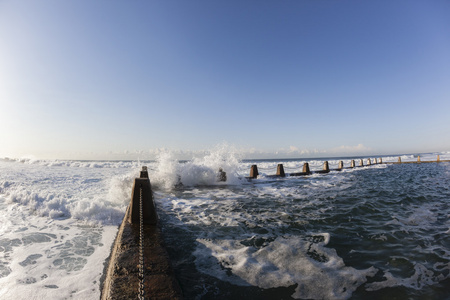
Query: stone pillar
x=352 y=164
x=326 y=168
x=368 y=162
x=148 y=206
x=418 y=158
x=144 y=172
x=280 y=170
x=341 y=165
x=399 y=160
x=361 y=162
x=254 y=171
x=306 y=168
x=438 y=158
x=221 y=175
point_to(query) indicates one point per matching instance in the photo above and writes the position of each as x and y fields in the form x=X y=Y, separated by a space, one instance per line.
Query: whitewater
x=380 y=231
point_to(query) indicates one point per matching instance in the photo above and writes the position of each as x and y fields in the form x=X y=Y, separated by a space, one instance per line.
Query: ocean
x=372 y=232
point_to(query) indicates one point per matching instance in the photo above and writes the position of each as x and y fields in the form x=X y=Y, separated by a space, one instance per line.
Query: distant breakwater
x=280 y=172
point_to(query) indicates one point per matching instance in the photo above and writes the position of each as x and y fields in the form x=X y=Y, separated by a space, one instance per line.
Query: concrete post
x=280 y=170
x=222 y=175
x=418 y=158
x=341 y=165
x=148 y=206
x=361 y=162
x=368 y=162
x=306 y=168
x=326 y=168
x=254 y=171
x=352 y=164
x=144 y=172
x=381 y=160
x=438 y=158
x=399 y=160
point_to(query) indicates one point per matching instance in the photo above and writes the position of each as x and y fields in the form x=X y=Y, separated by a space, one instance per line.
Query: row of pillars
x=306 y=170
x=142 y=188
x=420 y=161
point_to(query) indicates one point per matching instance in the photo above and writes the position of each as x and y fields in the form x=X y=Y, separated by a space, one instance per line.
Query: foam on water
x=73 y=163
x=422 y=277
x=59 y=192
x=58 y=222
x=258 y=233
x=168 y=172
x=42 y=258
x=320 y=236
x=318 y=272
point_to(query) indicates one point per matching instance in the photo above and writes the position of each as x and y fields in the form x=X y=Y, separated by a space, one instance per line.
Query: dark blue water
x=380 y=232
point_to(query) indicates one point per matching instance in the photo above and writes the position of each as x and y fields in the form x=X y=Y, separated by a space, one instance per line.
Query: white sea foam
x=72 y=163
x=41 y=258
x=59 y=218
x=422 y=277
x=57 y=224
x=317 y=270
x=168 y=172
x=58 y=192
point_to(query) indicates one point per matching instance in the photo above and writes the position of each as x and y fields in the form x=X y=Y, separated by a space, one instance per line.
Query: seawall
x=124 y=279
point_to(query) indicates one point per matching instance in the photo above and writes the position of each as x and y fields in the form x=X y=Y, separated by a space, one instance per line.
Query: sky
x=128 y=79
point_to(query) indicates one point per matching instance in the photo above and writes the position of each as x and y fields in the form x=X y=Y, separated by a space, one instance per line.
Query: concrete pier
x=149 y=210
x=144 y=172
x=418 y=161
x=280 y=170
x=305 y=171
x=122 y=278
x=326 y=168
x=221 y=175
x=254 y=172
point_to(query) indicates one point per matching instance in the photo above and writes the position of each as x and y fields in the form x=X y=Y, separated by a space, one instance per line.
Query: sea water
x=380 y=231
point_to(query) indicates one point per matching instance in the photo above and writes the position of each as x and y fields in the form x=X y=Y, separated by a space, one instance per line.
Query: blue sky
x=120 y=79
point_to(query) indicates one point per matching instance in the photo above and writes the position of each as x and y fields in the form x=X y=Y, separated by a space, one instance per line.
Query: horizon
x=240 y=159
x=223 y=149
x=114 y=80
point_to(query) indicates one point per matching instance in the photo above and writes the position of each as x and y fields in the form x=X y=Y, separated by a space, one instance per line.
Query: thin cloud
x=360 y=148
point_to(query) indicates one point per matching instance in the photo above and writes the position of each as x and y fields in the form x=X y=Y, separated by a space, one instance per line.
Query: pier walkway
x=139 y=265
